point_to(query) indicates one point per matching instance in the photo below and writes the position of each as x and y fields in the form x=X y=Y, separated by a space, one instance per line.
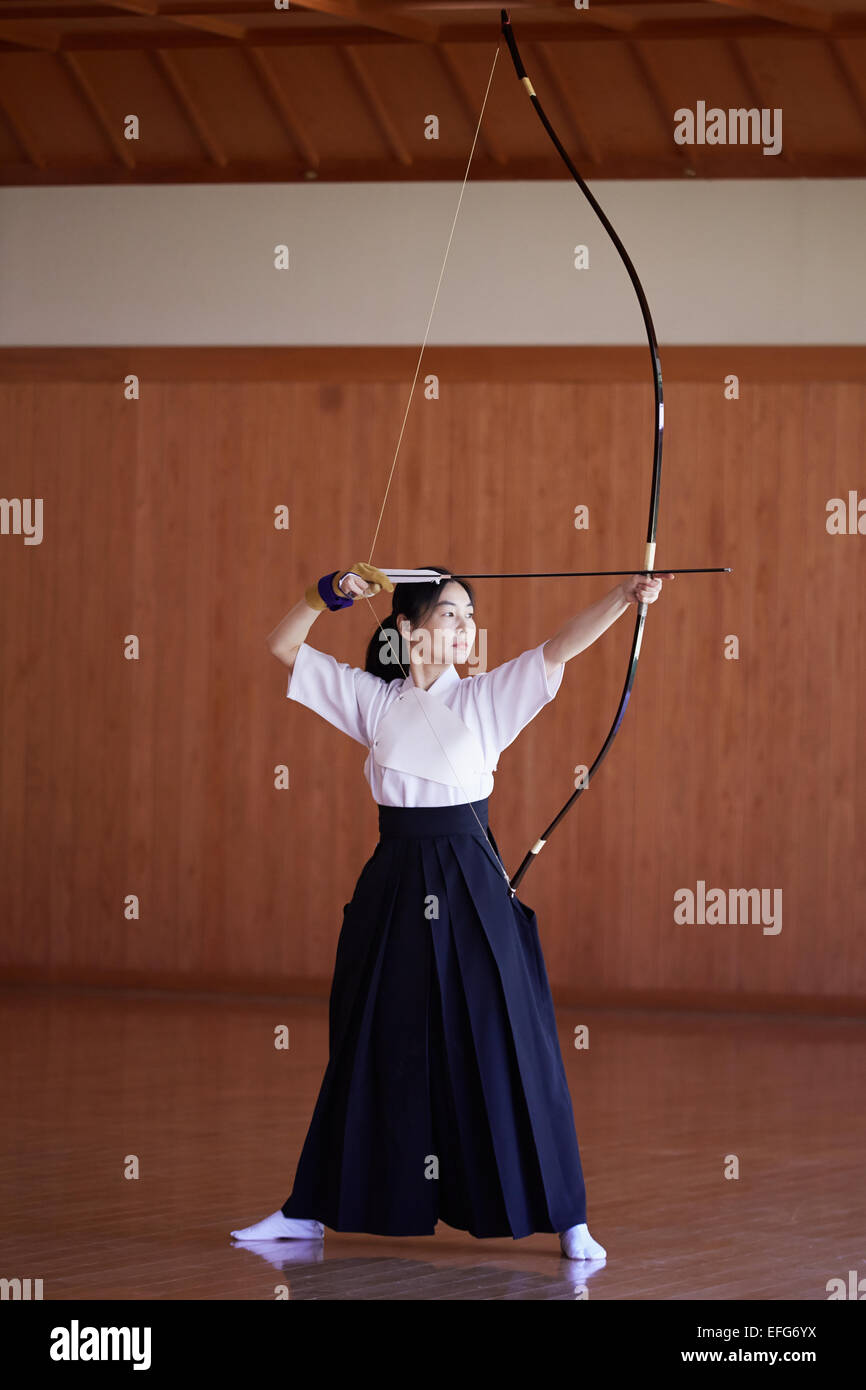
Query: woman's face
x=448 y=631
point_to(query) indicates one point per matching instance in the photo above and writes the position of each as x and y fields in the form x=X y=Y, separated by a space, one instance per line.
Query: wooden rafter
x=21 y=133
x=375 y=104
x=686 y=154
x=549 y=75
x=185 y=100
x=486 y=138
x=854 y=84
x=286 y=110
x=747 y=77
x=103 y=116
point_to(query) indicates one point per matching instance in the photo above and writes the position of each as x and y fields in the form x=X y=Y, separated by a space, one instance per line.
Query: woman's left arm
x=585 y=628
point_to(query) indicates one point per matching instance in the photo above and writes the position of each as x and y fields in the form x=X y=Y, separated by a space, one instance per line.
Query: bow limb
x=649 y=553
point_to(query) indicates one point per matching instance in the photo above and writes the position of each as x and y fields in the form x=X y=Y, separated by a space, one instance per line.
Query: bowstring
x=433 y=306
x=388 y=639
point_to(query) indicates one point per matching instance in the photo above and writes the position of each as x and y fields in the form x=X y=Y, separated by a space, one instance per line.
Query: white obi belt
x=423 y=737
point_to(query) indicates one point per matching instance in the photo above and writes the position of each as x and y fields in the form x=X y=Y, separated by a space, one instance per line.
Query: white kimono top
x=434 y=747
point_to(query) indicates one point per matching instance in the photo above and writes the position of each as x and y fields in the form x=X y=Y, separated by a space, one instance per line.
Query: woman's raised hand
x=640 y=588
x=342 y=588
x=363 y=581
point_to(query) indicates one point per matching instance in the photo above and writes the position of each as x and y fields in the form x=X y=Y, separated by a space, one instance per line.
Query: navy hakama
x=445 y=1094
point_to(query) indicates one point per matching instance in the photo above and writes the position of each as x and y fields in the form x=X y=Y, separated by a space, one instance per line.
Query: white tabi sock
x=279 y=1227
x=578 y=1244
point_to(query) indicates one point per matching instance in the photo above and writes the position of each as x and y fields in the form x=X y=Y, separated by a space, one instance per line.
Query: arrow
x=428 y=576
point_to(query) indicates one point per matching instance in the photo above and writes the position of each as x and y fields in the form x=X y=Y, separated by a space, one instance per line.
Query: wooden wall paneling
x=157 y=777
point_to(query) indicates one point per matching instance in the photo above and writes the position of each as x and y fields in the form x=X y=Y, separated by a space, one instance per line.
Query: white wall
x=721 y=262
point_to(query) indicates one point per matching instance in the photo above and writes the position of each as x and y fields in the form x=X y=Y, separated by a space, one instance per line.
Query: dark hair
x=416 y=602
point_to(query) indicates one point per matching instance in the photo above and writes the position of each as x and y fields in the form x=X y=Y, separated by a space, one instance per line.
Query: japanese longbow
x=658 y=434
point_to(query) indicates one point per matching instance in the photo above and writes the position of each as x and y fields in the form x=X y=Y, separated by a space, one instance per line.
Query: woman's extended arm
x=584 y=628
x=288 y=635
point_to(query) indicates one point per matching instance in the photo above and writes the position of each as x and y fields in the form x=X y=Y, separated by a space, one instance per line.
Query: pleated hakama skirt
x=445 y=1096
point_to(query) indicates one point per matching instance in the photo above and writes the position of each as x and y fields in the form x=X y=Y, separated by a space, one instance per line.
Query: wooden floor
x=193 y=1088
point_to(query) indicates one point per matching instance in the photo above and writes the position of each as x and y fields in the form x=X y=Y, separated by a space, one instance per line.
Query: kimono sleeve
x=511 y=695
x=342 y=694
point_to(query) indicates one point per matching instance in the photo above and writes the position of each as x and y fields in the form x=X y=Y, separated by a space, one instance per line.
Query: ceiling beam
x=381 y=17
x=207 y=24
x=18 y=35
x=797 y=15
x=736 y=164
x=24 y=27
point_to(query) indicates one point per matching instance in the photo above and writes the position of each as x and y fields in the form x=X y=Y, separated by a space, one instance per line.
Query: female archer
x=444 y=1096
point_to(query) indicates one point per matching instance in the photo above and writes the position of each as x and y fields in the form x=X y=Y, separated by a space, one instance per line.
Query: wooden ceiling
x=243 y=91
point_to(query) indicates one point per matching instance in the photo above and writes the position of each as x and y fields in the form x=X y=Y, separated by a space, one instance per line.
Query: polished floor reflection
x=139 y=1129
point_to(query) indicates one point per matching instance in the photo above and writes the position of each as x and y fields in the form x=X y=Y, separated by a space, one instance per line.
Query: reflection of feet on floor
x=578 y=1244
x=279 y=1227
x=283 y=1254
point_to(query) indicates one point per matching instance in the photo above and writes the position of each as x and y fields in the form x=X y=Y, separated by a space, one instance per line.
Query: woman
x=445 y=1094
